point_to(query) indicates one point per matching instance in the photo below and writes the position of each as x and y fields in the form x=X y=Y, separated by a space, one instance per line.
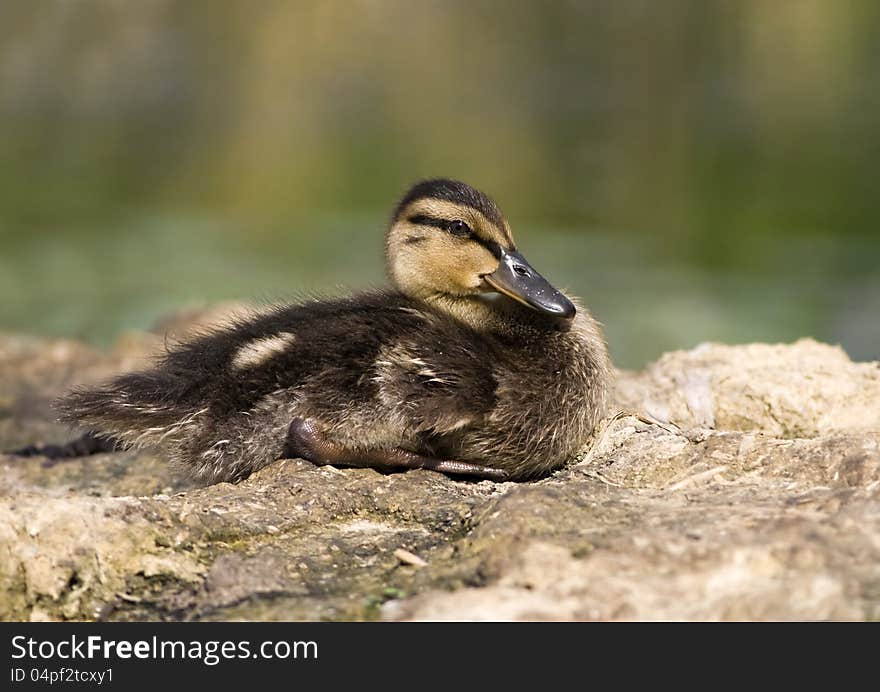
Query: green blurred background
x=694 y=170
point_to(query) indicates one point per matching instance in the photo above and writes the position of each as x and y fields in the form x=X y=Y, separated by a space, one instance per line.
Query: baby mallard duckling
x=472 y=364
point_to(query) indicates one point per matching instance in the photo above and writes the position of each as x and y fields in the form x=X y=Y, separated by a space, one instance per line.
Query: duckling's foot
x=80 y=447
x=306 y=441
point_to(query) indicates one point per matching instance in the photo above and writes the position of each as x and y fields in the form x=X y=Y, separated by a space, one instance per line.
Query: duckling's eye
x=459 y=228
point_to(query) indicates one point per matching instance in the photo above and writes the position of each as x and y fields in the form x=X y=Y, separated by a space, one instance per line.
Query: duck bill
x=516 y=278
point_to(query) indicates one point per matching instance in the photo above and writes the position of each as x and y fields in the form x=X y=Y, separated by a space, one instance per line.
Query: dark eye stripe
x=492 y=247
x=423 y=220
x=456 y=227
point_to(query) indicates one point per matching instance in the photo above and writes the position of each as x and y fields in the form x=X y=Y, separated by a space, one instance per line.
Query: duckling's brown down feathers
x=377 y=370
x=475 y=359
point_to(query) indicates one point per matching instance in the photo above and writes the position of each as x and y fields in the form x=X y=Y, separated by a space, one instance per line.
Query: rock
x=737 y=482
x=788 y=391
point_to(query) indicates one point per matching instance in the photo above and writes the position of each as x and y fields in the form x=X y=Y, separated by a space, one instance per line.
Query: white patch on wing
x=259 y=351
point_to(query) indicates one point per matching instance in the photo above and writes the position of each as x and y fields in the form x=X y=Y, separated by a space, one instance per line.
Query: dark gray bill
x=516 y=278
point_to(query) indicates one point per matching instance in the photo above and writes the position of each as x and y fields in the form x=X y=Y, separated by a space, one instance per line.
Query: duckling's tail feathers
x=139 y=409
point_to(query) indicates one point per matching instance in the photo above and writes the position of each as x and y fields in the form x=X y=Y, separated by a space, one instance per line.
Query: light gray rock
x=747 y=486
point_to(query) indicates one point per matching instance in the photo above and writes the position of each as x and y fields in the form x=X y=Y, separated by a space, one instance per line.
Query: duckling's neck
x=492 y=312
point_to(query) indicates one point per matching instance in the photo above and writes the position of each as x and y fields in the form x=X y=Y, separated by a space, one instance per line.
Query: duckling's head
x=450 y=242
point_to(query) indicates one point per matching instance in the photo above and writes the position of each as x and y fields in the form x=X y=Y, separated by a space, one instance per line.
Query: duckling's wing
x=438 y=386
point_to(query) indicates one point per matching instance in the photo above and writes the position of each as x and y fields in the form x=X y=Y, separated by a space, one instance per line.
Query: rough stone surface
x=747 y=485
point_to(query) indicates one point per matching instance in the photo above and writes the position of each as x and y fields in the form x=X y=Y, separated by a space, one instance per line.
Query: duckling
x=471 y=364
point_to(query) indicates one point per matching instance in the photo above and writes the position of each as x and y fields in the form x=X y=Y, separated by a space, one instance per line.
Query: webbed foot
x=305 y=440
